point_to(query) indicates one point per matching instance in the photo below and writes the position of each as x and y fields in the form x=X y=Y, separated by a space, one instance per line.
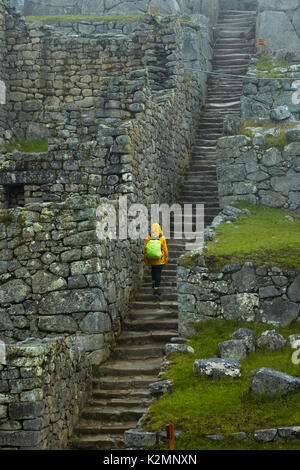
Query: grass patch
x=265 y=237
x=271 y=141
x=266 y=65
x=56 y=19
x=27 y=146
x=201 y=406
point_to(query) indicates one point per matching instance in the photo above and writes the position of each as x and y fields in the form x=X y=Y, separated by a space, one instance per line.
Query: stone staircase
x=121 y=395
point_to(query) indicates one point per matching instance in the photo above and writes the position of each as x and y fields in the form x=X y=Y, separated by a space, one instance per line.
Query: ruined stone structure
x=114 y=107
x=119 y=103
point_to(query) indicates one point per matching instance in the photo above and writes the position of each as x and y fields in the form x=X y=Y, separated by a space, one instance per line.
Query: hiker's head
x=156 y=230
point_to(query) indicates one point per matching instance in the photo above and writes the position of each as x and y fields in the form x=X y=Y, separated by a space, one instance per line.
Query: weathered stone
x=278 y=312
x=265 y=435
x=289 y=432
x=57 y=324
x=247 y=336
x=25 y=410
x=96 y=322
x=239 y=306
x=82 y=300
x=160 y=387
x=270 y=382
x=44 y=281
x=138 y=439
x=294 y=290
x=13 y=291
x=271 y=340
x=216 y=367
x=173 y=348
x=245 y=279
x=280 y=113
x=233 y=348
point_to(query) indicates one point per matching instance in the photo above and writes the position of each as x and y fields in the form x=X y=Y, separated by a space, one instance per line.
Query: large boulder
x=217 y=367
x=271 y=339
x=233 y=348
x=271 y=382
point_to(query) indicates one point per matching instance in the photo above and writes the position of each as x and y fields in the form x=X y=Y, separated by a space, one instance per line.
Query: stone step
x=150 y=325
x=110 y=414
x=148 y=337
x=121 y=368
x=92 y=427
x=127 y=403
x=133 y=382
x=154 y=312
x=139 y=351
x=127 y=393
x=99 y=442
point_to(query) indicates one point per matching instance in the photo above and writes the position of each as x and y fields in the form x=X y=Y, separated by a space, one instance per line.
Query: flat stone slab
x=271 y=382
x=217 y=367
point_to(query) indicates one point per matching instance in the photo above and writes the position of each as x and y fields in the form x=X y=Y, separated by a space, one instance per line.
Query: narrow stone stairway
x=121 y=396
x=231 y=56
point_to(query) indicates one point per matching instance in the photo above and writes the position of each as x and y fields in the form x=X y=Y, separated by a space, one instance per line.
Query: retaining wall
x=270 y=177
x=42 y=386
x=266 y=294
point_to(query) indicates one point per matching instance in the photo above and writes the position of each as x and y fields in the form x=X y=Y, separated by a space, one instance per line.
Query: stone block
x=270 y=382
x=216 y=367
x=233 y=349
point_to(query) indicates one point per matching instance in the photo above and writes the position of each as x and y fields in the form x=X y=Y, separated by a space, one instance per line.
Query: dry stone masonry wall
x=261 y=97
x=248 y=171
x=56 y=276
x=265 y=294
x=209 y=8
x=42 y=387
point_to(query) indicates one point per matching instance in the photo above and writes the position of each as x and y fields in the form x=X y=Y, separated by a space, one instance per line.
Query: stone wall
x=279 y=23
x=58 y=277
x=3 y=68
x=209 y=8
x=261 y=97
x=42 y=387
x=97 y=126
x=246 y=170
x=265 y=294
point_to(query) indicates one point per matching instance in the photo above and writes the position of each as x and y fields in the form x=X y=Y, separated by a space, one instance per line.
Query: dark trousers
x=156 y=274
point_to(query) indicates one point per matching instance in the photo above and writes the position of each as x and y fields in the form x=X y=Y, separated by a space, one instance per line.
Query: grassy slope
x=203 y=406
x=265 y=238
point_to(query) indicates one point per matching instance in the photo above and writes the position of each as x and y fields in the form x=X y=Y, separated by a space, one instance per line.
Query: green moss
x=202 y=406
x=27 y=146
x=6 y=218
x=55 y=19
x=265 y=237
